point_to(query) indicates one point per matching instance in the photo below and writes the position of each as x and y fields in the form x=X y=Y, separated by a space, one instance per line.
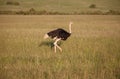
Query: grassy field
x=92 y=51
x=64 y=6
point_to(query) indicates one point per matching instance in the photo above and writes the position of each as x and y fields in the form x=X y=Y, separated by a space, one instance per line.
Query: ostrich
x=57 y=35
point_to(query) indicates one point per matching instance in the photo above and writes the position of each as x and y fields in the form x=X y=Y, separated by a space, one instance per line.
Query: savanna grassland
x=62 y=6
x=92 y=51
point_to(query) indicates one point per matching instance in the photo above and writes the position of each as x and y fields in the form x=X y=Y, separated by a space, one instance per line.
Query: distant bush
x=8 y=12
x=12 y=3
x=42 y=12
x=32 y=11
x=92 y=6
x=113 y=12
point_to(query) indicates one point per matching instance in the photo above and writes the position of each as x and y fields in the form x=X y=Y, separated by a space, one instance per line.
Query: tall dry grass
x=92 y=52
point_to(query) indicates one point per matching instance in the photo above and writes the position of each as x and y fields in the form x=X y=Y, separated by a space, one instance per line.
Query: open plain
x=92 y=51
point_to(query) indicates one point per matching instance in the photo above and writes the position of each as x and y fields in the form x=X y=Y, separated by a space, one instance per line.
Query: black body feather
x=59 y=33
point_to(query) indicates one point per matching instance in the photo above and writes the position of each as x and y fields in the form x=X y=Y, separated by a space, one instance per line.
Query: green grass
x=64 y=6
x=92 y=51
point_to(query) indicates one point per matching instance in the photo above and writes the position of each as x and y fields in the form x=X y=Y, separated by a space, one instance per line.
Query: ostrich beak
x=71 y=22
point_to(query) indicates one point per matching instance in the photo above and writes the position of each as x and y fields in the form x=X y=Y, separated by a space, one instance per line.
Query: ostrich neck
x=70 y=28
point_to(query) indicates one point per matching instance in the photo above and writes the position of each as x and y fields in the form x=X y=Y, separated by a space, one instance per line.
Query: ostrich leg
x=56 y=45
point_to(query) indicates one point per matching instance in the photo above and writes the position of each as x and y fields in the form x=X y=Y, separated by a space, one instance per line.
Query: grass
x=62 y=6
x=92 y=52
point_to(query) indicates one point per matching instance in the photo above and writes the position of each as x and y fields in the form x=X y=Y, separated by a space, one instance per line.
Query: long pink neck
x=70 y=28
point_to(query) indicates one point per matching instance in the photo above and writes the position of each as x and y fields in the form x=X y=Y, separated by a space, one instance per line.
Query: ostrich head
x=71 y=23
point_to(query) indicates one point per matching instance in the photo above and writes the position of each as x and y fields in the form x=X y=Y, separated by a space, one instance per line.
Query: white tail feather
x=46 y=36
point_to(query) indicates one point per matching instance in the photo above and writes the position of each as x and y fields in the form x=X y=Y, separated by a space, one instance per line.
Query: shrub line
x=44 y=12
